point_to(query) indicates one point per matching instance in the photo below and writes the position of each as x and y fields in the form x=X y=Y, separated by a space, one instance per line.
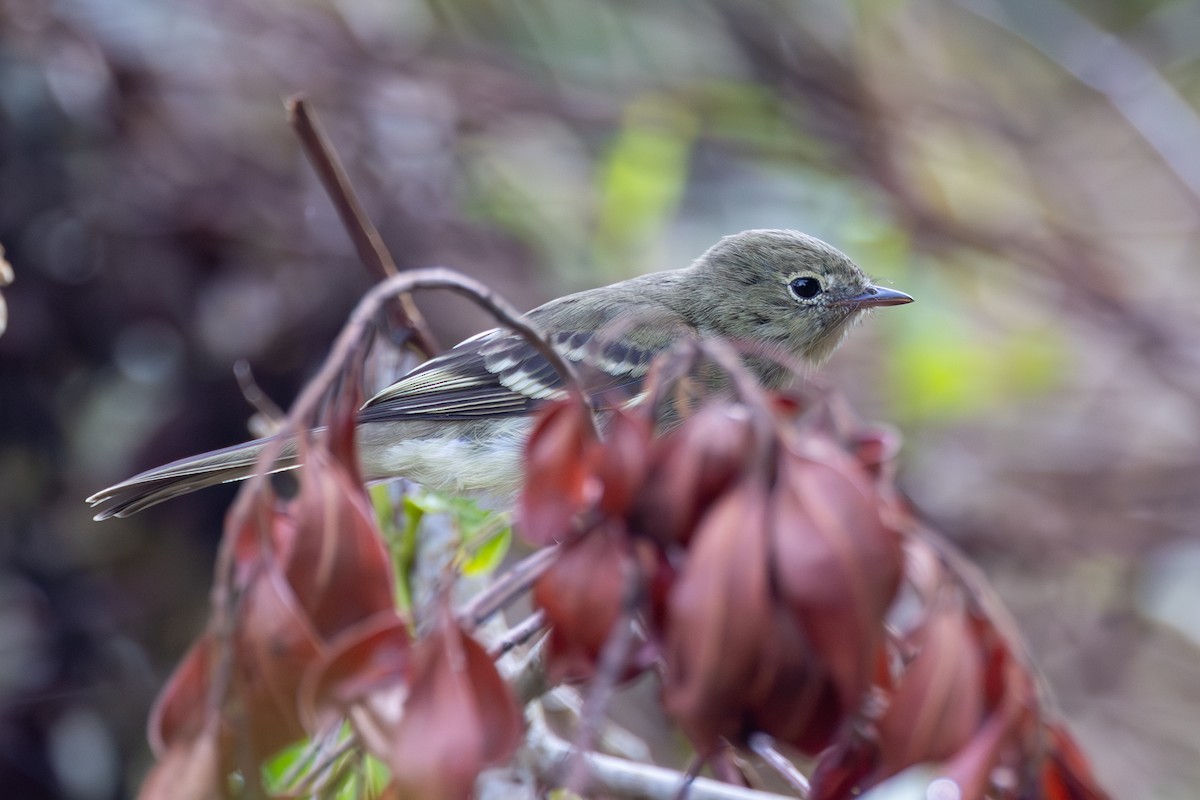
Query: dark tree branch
x=363 y=233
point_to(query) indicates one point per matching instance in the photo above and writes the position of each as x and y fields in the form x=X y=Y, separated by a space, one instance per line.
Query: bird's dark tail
x=187 y=475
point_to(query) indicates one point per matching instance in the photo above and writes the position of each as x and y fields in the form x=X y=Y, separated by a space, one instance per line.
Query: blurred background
x=1028 y=169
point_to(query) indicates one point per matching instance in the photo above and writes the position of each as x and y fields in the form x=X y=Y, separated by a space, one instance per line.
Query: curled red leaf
x=582 y=594
x=270 y=648
x=560 y=479
x=938 y=703
x=337 y=562
x=190 y=769
x=458 y=719
x=719 y=616
x=690 y=469
x=179 y=713
x=273 y=646
x=367 y=665
x=837 y=566
x=622 y=459
x=799 y=704
x=1067 y=774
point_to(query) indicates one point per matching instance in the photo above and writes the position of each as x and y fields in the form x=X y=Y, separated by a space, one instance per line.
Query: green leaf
x=277 y=768
x=488 y=554
x=400 y=527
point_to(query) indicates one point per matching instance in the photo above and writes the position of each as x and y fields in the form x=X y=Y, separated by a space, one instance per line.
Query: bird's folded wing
x=498 y=374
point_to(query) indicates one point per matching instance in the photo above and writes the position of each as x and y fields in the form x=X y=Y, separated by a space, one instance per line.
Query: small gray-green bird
x=458 y=422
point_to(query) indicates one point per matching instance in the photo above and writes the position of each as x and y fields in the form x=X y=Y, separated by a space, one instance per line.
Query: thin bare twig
x=608 y=671
x=354 y=333
x=520 y=633
x=502 y=591
x=255 y=396
x=617 y=777
x=689 y=776
x=363 y=233
x=764 y=746
x=304 y=774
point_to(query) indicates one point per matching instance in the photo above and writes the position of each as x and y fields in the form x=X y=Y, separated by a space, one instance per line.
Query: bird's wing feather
x=498 y=374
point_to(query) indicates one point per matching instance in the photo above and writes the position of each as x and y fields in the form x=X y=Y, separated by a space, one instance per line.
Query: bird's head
x=786 y=289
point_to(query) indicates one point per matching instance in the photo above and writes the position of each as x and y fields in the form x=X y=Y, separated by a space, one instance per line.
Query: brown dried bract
x=458 y=719
x=560 y=473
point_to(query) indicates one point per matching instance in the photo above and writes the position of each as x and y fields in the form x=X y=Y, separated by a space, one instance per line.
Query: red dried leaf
x=971 y=767
x=938 y=703
x=259 y=528
x=367 y=661
x=459 y=717
x=843 y=771
x=876 y=448
x=180 y=712
x=622 y=459
x=337 y=563
x=719 y=615
x=273 y=646
x=800 y=705
x=560 y=480
x=297 y=575
x=190 y=769
x=582 y=595
x=836 y=564
x=690 y=469
x=339 y=437
x=1067 y=775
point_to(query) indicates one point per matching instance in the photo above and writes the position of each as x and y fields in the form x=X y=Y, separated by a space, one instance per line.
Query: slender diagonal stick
x=363 y=233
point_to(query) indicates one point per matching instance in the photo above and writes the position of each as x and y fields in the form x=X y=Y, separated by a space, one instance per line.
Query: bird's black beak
x=876 y=296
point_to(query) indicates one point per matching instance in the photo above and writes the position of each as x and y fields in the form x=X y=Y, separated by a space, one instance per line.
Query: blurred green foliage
x=479 y=538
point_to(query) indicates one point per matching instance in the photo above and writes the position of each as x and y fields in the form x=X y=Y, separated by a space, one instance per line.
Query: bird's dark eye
x=804 y=288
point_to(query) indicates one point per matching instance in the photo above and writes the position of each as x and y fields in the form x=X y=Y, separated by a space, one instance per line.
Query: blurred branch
x=764 y=746
x=616 y=777
x=367 y=241
x=354 y=333
x=508 y=586
x=270 y=413
x=1135 y=88
x=520 y=633
x=862 y=136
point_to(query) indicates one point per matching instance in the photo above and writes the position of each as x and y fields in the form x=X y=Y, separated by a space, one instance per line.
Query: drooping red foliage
x=308 y=633
x=786 y=544
x=582 y=595
x=459 y=717
x=720 y=644
x=759 y=549
x=561 y=452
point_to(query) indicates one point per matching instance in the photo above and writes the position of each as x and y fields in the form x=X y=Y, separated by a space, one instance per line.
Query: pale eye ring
x=805 y=288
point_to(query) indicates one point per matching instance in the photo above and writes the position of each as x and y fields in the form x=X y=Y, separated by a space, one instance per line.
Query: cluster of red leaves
x=760 y=548
x=306 y=634
x=757 y=557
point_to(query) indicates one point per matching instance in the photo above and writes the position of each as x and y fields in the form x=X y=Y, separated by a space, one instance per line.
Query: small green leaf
x=277 y=768
x=489 y=553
